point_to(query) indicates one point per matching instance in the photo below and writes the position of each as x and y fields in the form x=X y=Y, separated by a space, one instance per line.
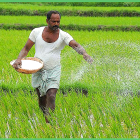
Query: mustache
x=56 y=26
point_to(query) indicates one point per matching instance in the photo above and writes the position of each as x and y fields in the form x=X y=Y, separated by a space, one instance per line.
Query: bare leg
x=47 y=101
x=51 y=95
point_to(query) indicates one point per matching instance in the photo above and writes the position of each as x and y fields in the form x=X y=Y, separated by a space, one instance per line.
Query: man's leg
x=47 y=101
x=51 y=95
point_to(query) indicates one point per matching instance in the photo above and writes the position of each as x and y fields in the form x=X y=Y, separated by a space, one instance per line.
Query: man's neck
x=50 y=30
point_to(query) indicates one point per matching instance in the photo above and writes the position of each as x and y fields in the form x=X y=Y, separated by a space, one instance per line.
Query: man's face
x=54 y=22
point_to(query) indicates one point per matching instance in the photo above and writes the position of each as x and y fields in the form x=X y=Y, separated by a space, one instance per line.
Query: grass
x=115 y=54
x=114 y=21
x=100 y=115
x=111 y=109
x=59 y=8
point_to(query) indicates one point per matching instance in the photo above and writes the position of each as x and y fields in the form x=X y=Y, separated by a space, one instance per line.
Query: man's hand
x=87 y=58
x=17 y=64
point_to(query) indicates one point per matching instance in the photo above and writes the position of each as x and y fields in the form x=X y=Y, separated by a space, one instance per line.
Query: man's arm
x=23 y=53
x=79 y=49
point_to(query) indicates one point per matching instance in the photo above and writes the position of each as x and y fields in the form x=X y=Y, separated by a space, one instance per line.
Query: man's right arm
x=23 y=53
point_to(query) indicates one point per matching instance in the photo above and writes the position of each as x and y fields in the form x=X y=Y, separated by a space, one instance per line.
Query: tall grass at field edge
x=95 y=13
x=86 y=4
x=72 y=27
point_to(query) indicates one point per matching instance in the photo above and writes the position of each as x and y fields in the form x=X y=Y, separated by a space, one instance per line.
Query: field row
x=75 y=20
x=111 y=108
x=72 y=23
x=76 y=116
x=115 y=67
x=59 y=8
x=72 y=27
x=85 y=4
x=21 y=9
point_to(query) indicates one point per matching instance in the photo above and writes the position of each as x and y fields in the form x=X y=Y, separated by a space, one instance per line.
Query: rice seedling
x=111 y=107
x=76 y=20
x=76 y=116
x=59 y=8
x=112 y=59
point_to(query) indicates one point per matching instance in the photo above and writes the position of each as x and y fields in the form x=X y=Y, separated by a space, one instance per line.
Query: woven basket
x=28 y=71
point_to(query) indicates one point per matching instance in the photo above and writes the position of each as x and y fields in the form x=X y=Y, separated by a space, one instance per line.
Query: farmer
x=49 y=41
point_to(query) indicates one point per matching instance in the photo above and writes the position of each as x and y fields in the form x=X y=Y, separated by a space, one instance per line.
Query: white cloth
x=46 y=79
x=49 y=53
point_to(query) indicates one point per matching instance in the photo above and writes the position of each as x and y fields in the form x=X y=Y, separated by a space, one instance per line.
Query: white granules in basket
x=30 y=64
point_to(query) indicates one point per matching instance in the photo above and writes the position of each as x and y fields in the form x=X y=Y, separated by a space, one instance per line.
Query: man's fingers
x=17 y=65
x=88 y=59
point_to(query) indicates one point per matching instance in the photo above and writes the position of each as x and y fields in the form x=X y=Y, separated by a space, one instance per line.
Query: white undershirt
x=49 y=53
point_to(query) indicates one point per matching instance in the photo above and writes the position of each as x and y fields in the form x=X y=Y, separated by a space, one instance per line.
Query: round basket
x=34 y=65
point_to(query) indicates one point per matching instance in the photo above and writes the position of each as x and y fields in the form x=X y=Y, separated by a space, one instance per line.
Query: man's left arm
x=79 y=49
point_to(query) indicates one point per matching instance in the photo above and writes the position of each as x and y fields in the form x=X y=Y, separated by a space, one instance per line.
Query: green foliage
x=86 y=4
x=94 y=101
x=73 y=27
x=32 y=10
x=96 y=13
x=124 y=52
x=76 y=116
x=72 y=23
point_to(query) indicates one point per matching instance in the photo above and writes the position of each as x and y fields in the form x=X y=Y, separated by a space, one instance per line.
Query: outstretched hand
x=88 y=58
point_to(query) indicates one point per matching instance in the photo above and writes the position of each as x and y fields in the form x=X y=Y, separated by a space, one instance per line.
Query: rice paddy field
x=59 y=8
x=110 y=108
x=77 y=20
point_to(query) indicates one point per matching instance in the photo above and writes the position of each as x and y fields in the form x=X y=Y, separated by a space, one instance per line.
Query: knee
x=51 y=95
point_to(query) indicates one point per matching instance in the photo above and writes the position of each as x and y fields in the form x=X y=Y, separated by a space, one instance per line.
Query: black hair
x=52 y=12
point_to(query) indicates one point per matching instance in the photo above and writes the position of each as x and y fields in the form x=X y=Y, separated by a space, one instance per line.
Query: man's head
x=53 y=20
x=52 y=12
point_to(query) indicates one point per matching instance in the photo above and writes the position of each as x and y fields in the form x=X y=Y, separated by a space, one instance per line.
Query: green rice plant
x=115 y=67
x=110 y=59
x=12 y=52
x=111 y=107
x=20 y=115
x=75 y=20
x=66 y=8
x=29 y=9
x=98 y=115
x=96 y=4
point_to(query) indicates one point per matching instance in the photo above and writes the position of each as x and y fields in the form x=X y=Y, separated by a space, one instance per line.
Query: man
x=49 y=41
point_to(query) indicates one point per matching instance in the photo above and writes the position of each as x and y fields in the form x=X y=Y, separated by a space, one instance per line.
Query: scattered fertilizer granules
x=30 y=64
